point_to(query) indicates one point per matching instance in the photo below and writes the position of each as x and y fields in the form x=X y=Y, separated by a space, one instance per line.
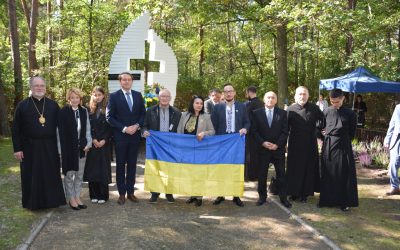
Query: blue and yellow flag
x=180 y=164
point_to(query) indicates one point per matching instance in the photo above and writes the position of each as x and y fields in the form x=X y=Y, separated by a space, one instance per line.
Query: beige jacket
x=204 y=124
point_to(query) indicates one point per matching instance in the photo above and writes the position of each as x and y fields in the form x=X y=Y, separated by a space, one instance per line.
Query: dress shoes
x=132 y=198
x=260 y=202
x=94 y=200
x=121 y=200
x=303 y=199
x=82 y=206
x=286 y=203
x=101 y=202
x=170 y=198
x=293 y=197
x=74 y=208
x=153 y=198
x=218 y=200
x=191 y=200
x=393 y=191
x=238 y=202
x=198 y=202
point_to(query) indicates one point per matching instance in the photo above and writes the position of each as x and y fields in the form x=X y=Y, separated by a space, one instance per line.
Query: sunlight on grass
x=373 y=225
x=15 y=221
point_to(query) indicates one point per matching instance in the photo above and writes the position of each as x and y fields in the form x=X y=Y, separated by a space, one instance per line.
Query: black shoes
x=191 y=200
x=218 y=200
x=238 y=202
x=82 y=206
x=198 y=202
x=170 y=198
x=153 y=198
x=286 y=203
x=74 y=208
x=260 y=202
x=293 y=198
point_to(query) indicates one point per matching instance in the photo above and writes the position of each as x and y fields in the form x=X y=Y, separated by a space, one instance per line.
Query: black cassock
x=303 y=160
x=339 y=181
x=98 y=160
x=40 y=170
x=252 y=159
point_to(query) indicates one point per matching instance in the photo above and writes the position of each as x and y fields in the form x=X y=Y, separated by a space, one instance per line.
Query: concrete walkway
x=174 y=226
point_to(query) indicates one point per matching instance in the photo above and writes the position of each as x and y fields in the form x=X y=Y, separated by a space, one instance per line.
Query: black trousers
x=278 y=159
x=98 y=190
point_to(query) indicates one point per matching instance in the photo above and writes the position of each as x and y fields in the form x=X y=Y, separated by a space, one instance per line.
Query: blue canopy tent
x=360 y=81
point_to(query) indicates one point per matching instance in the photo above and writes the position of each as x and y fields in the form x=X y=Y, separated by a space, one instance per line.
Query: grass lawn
x=375 y=224
x=15 y=221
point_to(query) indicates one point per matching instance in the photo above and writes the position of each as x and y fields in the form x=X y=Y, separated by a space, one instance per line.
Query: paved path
x=174 y=226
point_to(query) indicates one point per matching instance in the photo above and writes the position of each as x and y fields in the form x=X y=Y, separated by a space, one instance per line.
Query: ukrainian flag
x=180 y=164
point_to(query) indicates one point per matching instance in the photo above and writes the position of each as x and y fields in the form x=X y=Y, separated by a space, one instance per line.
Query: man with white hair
x=303 y=160
x=34 y=134
x=270 y=129
x=165 y=118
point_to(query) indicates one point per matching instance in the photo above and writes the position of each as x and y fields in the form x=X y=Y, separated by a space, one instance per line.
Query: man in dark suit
x=165 y=118
x=125 y=113
x=230 y=117
x=214 y=99
x=270 y=129
x=251 y=164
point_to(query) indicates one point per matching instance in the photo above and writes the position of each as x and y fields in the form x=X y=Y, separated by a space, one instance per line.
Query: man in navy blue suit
x=125 y=113
x=230 y=117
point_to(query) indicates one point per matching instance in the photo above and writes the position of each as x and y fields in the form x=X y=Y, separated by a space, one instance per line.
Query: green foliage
x=238 y=44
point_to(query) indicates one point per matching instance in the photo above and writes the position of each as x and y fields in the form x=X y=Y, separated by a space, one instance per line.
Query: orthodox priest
x=303 y=159
x=34 y=134
x=338 y=182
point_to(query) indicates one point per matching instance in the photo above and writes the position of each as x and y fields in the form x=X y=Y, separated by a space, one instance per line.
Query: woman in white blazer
x=196 y=122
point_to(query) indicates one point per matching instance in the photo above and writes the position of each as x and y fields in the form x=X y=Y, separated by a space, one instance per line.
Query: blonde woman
x=75 y=141
x=196 y=122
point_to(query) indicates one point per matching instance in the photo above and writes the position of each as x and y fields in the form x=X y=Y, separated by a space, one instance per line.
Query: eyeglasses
x=229 y=91
x=165 y=96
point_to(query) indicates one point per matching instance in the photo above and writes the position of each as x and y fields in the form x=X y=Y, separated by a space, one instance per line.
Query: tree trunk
x=4 y=125
x=351 y=4
x=25 y=8
x=12 y=14
x=202 y=57
x=302 y=78
x=33 y=64
x=282 y=72
x=296 y=59
x=231 y=65
x=50 y=38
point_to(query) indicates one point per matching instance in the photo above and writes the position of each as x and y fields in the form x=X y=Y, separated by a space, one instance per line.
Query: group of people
x=84 y=143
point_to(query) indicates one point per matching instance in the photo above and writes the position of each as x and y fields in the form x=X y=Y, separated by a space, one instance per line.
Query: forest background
x=273 y=45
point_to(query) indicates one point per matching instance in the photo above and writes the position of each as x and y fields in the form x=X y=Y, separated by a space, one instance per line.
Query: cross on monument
x=141 y=64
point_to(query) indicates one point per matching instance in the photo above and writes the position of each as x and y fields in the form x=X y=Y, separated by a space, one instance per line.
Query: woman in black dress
x=98 y=162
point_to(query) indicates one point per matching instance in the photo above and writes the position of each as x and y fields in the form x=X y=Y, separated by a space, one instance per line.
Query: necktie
x=77 y=115
x=269 y=117
x=128 y=99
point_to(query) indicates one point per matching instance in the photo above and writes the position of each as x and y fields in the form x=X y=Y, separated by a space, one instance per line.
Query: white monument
x=131 y=45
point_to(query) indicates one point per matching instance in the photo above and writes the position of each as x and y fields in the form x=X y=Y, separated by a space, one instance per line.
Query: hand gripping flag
x=180 y=164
